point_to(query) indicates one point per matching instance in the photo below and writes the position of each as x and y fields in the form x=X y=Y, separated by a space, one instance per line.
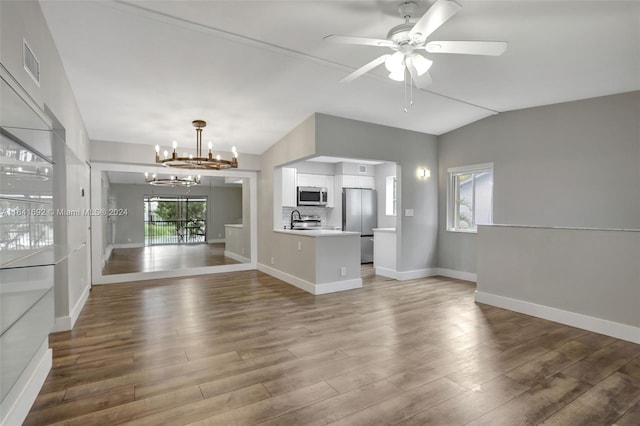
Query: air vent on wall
x=362 y=168
x=31 y=63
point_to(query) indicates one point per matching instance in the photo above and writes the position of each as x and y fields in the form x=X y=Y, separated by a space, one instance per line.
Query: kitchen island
x=318 y=261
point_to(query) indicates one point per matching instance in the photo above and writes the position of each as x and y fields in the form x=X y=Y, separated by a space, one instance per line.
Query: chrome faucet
x=299 y=217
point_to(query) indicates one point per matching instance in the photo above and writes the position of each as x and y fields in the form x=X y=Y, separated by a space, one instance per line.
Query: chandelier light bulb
x=146 y=175
x=194 y=160
x=153 y=176
x=420 y=63
x=395 y=62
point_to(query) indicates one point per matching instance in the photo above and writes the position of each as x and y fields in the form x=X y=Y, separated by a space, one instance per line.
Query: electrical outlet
x=343 y=271
x=219 y=235
x=299 y=245
x=408 y=212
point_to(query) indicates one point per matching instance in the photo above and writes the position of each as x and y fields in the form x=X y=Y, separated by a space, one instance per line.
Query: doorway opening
x=175 y=220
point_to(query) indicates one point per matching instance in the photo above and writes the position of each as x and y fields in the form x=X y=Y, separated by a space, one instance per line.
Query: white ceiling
x=142 y=71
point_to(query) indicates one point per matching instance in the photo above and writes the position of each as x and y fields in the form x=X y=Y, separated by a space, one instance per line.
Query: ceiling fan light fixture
x=397 y=75
x=395 y=62
x=420 y=63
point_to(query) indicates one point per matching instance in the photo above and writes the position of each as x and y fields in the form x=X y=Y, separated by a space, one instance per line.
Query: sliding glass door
x=175 y=220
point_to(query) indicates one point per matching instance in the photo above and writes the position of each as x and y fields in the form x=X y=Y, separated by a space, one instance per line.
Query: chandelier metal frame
x=198 y=161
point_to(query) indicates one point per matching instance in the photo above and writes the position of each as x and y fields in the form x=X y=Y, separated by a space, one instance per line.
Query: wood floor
x=245 y=348
x=165 y=258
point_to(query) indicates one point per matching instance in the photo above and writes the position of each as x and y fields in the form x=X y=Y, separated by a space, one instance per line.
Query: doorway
x=175 y=220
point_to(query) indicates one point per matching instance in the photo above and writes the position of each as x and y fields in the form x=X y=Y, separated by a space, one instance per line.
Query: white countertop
x=384 y=229
x=316 y=232
x=234 y=225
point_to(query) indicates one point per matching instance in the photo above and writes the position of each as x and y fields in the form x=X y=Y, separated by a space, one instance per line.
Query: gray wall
x=298 y=144
x=224 y=207
x=574 y=164
x=590 y=272
x=417 y=235
x=23 y=20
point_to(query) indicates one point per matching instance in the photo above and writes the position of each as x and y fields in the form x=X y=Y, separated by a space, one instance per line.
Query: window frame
x=453 y=195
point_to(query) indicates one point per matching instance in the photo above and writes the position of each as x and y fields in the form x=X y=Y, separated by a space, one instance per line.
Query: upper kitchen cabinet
x=289 y=186
x=355 y=181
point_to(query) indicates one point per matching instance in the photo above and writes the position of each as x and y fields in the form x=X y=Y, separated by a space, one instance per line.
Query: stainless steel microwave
x=312 y=196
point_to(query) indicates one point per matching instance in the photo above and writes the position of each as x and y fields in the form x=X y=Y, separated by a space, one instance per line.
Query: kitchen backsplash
x=305 y=211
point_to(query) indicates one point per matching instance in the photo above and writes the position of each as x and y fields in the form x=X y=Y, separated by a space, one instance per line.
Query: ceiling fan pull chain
x=405 y=93
x=410 y=91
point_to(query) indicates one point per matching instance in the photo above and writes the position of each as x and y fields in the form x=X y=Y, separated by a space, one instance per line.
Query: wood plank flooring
x=245 y=348
x=165 y=258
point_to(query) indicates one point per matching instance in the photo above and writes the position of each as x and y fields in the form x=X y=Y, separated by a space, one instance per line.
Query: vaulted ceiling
x=143 y=70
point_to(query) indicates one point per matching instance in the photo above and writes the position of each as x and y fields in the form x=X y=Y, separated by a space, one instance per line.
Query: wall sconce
x=424 y=173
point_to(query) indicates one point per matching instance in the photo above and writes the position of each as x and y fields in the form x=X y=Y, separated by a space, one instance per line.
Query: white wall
x=574 y=164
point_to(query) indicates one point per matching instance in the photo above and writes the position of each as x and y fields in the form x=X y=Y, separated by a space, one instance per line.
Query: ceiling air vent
x=31 y=63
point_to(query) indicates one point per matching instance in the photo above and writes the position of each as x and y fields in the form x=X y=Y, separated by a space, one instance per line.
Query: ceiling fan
x=407 y=39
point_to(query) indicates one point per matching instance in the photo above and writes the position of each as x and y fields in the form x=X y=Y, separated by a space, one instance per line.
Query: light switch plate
x=408 y=212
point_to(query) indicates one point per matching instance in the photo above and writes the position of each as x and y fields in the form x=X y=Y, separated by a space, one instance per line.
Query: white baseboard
x=386 y=272
x=418 y=273
x=107 y=254
x=236 y=256
x=597 y=325
x=310 y=287
x=17 y=403
x=128 y=245
x=459 y=275
x=406 y=275
x=66 y=323
x=324 y=288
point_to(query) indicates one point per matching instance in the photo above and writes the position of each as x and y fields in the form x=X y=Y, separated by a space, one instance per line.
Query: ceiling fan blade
x=364 y=69
x=437 y=15
x=421 y=81
x=488 y=48
x=362 y=41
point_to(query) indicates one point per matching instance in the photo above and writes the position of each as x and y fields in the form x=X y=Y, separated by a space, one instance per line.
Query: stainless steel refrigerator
x=359 y=214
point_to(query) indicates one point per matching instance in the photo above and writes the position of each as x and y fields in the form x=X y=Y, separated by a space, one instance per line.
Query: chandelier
x=186 y=181
x=198 y=161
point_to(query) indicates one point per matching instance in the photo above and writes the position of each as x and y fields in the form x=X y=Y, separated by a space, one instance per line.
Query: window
x=174 y=220
x=391 y=198
x=470 y=197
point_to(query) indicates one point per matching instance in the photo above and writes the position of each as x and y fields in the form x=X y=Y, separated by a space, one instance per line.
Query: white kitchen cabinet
x=319 y=181
x=356 y=181
x=329 y=184
x=368 y=182
x=349 y=181
x=289 y=187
